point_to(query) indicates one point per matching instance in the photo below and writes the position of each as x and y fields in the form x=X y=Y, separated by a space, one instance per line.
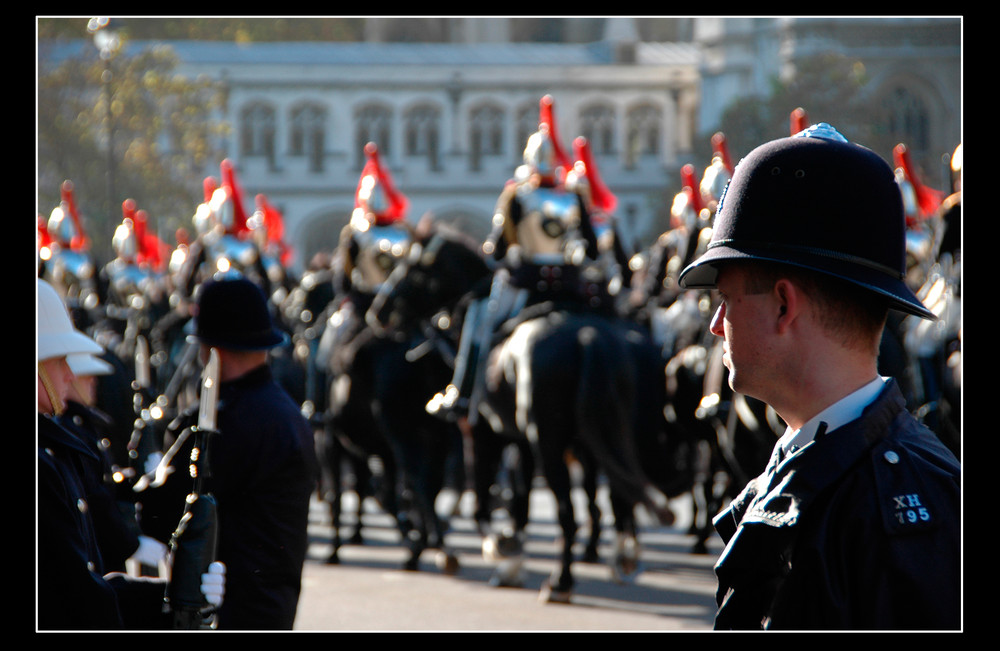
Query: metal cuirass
x=550 y=220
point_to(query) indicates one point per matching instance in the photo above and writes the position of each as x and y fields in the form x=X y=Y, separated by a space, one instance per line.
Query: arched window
x=644 y=125
x=527 y=124
x=307 y=134
x=423 y=133
x=373 y=123
x=597 y=125
x=485 y=134
x=257 y=127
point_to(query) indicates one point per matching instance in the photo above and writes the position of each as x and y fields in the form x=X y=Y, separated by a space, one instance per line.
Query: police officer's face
x=745 y=322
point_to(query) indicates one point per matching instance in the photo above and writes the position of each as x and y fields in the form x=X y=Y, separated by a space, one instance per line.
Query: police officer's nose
x=716 y=327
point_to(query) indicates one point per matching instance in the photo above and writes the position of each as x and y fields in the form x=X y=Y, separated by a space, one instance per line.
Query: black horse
x=726 y=437
x=563 y=379
x=380 y=382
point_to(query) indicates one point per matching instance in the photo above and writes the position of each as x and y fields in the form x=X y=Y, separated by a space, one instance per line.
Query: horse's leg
x=560 y=585
x=504 y=547
x=590 y=474
x=702 y=494
x=487 y=450
x=521 y=481
x=625 y=558
x=331 y=456
x=362 y=487
x=442 y=448
x=412 y=511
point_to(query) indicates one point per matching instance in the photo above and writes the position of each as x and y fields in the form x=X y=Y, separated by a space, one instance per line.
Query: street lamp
x=108 y=44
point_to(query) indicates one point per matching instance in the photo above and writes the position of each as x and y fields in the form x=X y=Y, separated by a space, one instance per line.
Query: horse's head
x=442 y=266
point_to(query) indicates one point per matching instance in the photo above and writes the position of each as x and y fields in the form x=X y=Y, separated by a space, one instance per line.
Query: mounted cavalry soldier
x=375 y=239
x=267 y=230
x=545 y=249
x=66 y=262
x=136 y=294
x=223 y=242
x=224 y=239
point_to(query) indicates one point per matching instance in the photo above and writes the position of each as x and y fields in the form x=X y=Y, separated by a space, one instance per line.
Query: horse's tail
x=605 y=396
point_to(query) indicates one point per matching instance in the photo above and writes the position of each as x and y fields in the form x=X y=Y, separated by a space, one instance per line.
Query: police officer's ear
x=788 y=298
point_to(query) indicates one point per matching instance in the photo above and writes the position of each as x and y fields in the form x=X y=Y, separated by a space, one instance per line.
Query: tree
x=829 y=87
x=164 y=135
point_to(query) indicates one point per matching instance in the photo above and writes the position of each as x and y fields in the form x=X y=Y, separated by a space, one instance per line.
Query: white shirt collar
x=839 y=413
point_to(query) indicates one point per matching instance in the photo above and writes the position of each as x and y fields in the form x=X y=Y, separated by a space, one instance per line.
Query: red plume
x=274 y=223
x=928 y=199
x=720 y=148
x=397 y=201
x=546 y=116
x=690 y=188
x=152 y=250
x=602 y=197
x=799 y=120
x=236 y=195
x=80 y=240
x=128 y=210
x=44 y=238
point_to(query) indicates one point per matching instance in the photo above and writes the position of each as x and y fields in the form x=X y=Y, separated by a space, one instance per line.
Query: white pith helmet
x=86 y=365
x=56 y=335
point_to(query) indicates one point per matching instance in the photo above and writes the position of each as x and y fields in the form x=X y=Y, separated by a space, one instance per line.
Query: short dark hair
x=849 y=313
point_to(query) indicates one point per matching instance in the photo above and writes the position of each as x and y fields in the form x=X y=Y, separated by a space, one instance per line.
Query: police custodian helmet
x=816 y=201
x=232 y=313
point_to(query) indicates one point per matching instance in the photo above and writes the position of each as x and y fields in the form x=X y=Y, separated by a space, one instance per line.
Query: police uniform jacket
x=858 y=531
x=73 y=591
x=263 y=471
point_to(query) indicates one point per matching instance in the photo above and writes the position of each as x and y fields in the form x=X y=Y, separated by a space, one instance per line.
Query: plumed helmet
x=377 y=202
x=714 y=180
x=61 y=227
x=65 y=225
x=540 y=153
x=543 y=153
x=718 y=172
x=231 y=312
x=816 y=201
x=125 y=241
x=57 y=337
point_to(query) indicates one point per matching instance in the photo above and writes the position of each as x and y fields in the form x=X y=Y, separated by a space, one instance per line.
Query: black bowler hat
x=232 y=313
x=816 y=201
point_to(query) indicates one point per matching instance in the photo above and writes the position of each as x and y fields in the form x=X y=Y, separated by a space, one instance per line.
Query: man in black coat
x=262 y=463
x=855 y=523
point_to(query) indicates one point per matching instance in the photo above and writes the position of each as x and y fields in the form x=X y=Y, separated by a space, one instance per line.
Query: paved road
x=368 y=591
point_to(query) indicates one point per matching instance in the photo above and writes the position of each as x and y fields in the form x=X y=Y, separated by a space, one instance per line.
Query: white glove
x=150 y=552
x=213 y=583
x=153 y=460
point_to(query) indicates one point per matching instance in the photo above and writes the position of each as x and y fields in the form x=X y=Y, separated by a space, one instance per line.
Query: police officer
x=854 y=524
x=262 y=465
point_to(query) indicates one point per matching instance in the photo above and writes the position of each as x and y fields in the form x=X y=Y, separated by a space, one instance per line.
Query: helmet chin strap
x=58 y=406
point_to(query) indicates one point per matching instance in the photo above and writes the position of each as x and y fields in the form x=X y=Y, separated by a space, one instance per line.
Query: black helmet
x=232 y=313
x=816 y=201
